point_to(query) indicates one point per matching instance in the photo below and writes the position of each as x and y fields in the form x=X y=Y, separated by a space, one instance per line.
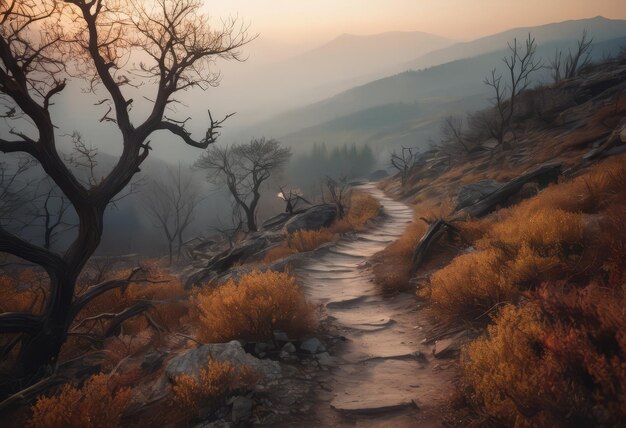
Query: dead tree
x=571 y=66
x=520 y=65
x=404 y=161
x=243 y=168
x=172 y=202
x=45 y=43
x=291 y=198
x=339 y=194
x=452 y=132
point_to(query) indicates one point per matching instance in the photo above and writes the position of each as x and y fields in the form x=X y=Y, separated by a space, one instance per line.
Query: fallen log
x=434 y=233
x=543 y=176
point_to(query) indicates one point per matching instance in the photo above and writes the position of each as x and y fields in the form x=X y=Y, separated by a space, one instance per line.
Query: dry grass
x=215 y=383
x=307 y=240
x=252 y=308
x=392 y=266
x=97 y=404
x=363 y=208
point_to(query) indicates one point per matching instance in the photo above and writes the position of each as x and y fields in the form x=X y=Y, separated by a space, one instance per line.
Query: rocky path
x=382 y=374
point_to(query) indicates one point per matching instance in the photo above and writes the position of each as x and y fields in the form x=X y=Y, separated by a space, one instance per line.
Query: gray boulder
x=312 y=345
x=474 y=192
x=314 y=218
x=192 y=361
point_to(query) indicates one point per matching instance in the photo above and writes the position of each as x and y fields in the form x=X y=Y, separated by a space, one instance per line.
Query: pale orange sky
x=316 y=21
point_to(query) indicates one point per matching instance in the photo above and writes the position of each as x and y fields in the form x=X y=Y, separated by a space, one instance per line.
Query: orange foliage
x=363 y=208
x=308 y=240
x=252 y=308
x=392 y=266
x=214 y=384
x=97 y=404
x=278 y=253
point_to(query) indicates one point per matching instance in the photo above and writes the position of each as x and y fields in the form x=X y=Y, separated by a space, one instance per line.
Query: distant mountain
x=437 y=90
x=600 y=28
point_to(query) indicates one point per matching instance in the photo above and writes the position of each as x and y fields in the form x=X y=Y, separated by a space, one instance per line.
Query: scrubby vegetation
x=362 y=209
x=99 y=403
x=218 y=380
x=252 y=308
x=543 y=274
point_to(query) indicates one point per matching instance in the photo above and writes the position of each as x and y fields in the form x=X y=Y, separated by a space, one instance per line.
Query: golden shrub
x=363 y=208
x=392 y=266
x=470 y=286
x=546 y=231
x=278 y=253
x=252 y=307
x=214 y=384
x=97 y=404
x=307 y=240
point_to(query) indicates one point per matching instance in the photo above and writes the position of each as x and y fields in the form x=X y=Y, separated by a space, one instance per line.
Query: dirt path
x=382 y=375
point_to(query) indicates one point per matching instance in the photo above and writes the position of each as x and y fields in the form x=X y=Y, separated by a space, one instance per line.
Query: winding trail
x=382 y=375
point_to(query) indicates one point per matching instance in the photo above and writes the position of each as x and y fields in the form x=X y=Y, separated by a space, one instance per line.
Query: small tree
x=338 y=192
x=243 y=168
x=172 y=202
x=571 y=66
x=291 y=197
x=520 y=65
x=452 y=132
x=404 y=161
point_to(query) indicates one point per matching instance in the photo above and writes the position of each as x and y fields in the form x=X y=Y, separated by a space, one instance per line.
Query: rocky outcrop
x=316 y=217
x=474 y=192
x=191 y=362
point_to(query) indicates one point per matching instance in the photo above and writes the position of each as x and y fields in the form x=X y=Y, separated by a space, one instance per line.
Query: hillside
x=518 y=254
x=456 y=83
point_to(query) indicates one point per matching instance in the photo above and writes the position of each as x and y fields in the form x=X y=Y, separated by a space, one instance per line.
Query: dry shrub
x=392 y=266
x=470 y=286
x=307 y=240
x=252 y=308
x=214 y=384
x=278 y=253
x=363 y=208
x=99 y=403
x=546 y=231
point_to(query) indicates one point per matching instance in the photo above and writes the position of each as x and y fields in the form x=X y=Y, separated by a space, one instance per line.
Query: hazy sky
x=315 y=21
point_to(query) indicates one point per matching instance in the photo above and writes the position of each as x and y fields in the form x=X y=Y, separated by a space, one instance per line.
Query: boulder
x=192 y=361
x=276 y=222
x=312 y=346
x=474 y=192
x=316 y=217
x=242 y=409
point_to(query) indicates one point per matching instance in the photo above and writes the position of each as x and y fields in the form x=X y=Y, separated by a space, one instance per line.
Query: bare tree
x=291 y=197
x=574 y=62
x=404 y=161
x=339 y=193
x=452 y=132
x=45 y=43
x=520 y=65
x=172 y=202
x=243 y=168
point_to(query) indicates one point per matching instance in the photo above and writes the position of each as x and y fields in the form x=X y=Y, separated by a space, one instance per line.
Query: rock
x=474 y=192
x=289 y=348
x=325 y=359
x=242 y=409
x=276 y=222
x=371 y=405
x=312 y=345
x=192 y=361
x=280 y=336
x=378 y=175
x=261 y=347
x=450 y=346
x=316 y=217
